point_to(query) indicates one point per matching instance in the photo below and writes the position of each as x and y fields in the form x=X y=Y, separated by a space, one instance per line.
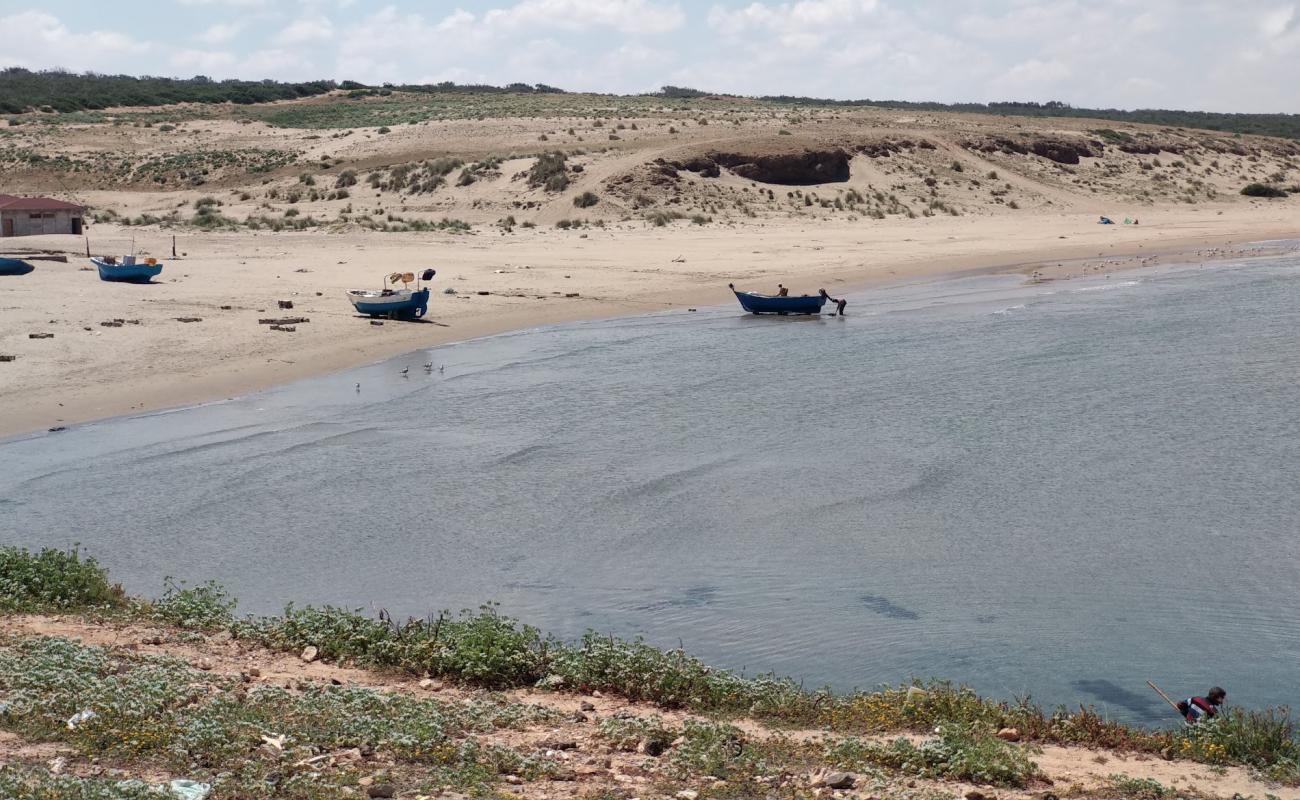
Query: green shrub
x=628 y=733
x=1139 y=788
x=347 y=177
x=1263 y=190
x=586 y=200
x=53 y=580
x=1265 y=740
x=711 y=748
x=31 y=783
x=661 y=218
x=549 y=172
x=206 y=606
x=960 y=752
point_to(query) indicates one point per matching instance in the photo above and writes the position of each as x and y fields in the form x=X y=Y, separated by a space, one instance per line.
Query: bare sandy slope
x=1068 y=770
x=304 y=214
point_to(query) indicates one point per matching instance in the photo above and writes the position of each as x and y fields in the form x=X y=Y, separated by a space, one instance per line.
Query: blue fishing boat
x=14 y=266
x=402 y=303
x=780 y=304
x=128 y=270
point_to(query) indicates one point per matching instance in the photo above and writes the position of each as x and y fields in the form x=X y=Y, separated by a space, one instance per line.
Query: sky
x=1214 y=55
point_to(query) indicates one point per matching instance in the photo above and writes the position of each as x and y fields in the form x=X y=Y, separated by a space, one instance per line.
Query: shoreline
x=676 y=699
x=62 y=399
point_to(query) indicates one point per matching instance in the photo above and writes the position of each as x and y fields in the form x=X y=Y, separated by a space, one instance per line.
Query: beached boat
x=394 y=303
x=777 y=304
x=14 y=266
x=128 y=270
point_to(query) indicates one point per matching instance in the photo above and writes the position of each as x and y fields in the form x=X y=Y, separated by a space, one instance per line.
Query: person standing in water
x=839 y=304
x=1195 y=709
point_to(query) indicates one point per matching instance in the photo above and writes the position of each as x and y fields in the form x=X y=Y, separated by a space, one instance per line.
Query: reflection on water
x=1059 y=490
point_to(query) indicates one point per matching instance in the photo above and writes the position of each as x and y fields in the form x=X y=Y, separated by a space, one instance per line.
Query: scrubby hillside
x=412 y=161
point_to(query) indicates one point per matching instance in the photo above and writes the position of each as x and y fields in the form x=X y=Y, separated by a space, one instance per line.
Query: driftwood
x=189 y=319
x=285 y=303
x=283 y=321
x=40 y=336
x=285 y=328
x=4 y=358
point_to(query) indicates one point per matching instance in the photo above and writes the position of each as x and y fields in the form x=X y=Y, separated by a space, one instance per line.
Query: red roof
x=10 y=203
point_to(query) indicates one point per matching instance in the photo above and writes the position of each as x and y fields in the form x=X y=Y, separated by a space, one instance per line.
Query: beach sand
x=922 y=201
x=231 y=280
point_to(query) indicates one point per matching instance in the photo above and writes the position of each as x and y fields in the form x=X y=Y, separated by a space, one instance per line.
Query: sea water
x=1057 y=490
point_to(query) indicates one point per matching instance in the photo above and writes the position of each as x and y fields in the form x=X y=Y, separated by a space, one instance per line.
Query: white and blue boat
x=405 y=303
x=780 y=304
x=128 y=270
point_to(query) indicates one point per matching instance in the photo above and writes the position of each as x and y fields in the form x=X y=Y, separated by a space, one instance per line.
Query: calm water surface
x=1059 y=490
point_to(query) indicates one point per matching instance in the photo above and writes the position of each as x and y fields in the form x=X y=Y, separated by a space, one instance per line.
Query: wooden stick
x=1165 y=696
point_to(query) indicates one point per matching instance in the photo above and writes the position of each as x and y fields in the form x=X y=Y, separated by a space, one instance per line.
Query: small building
x=31 y=216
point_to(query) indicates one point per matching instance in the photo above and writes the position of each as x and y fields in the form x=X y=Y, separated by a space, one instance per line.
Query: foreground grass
x=488 y=650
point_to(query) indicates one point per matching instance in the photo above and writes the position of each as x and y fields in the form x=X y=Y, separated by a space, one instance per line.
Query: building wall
x=32 y=223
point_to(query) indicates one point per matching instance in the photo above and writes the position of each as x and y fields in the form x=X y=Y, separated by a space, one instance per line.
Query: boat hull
x=398 y=305
x=14 y=266
x=771 y=304
x=126 y=273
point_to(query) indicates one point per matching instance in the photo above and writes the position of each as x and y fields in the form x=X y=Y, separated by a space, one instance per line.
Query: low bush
x=1265 y=740
x=959 y=752
x=549 y=172
x=53 y=580
x=1263 y=190
x=487 y=649
x=661 y=218
x=207 y=606
x=586 y=200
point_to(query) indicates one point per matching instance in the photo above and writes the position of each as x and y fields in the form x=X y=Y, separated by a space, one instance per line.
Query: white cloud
x=220 y=33
x=1209 y=54
x=306 y=31
x=35 y=39
x=803 y=17
x=1277 y=22
x=628 y=16
x=233 y=3
x=203 y=62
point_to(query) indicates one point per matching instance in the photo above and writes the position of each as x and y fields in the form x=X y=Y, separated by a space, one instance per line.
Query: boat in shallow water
x=128 y=270
x=780 y=304
x=403 y=303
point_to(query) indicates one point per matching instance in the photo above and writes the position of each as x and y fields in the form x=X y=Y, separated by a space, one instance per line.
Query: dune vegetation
x=498 y=692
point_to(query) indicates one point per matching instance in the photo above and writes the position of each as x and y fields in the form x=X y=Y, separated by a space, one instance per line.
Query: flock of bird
x=406 y=372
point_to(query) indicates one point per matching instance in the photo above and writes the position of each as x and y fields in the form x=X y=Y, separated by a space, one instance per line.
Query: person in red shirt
x=1195 y=709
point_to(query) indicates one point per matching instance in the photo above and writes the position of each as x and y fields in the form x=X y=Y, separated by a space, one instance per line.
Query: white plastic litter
x=80 y=717
x=189 y=790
